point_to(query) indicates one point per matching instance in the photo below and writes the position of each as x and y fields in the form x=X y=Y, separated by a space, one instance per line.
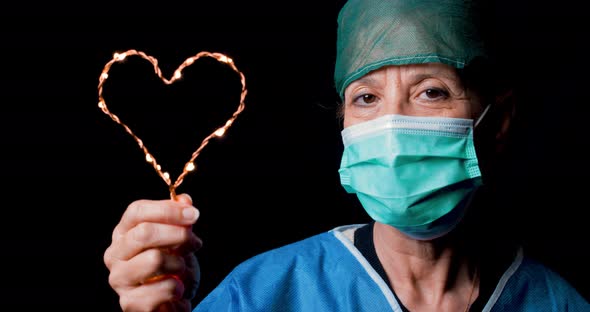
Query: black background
x=69 y=171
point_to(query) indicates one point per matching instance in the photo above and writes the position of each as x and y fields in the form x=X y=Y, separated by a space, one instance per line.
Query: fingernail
x=190 y=213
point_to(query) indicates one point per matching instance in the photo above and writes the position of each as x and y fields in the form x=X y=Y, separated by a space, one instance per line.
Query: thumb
x=185 y=199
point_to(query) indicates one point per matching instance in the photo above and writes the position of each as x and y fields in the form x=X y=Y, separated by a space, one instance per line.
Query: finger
x=120 y=250
x=161 y=211
x=144 y=266
x=192 y=276
x=144 y=210
x=184 y=199
x=150 y=235
x=156 y=211
x=192 y=245
x=150 y=296
x=175 y=306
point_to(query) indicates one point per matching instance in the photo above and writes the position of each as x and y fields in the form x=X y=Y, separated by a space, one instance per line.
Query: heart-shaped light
x=190 y=165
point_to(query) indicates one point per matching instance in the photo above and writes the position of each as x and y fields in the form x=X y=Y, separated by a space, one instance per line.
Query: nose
x=396 y=97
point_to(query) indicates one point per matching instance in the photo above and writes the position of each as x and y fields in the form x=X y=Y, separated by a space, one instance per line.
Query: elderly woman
x=420 y=127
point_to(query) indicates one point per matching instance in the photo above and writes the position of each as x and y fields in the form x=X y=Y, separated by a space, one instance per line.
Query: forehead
x=410 y=71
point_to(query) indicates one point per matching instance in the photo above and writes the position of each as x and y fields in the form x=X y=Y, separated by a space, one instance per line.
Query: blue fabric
x=534 y=287
x=323 y=273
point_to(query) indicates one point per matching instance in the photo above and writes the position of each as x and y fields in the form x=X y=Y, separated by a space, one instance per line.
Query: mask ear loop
x=482 y=115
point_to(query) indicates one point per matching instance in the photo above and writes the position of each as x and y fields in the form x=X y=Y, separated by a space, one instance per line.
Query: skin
x=414 y=90
x=430 y=275
x=154 y=239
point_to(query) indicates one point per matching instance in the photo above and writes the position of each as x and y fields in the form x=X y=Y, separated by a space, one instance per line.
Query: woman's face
x=431 y=89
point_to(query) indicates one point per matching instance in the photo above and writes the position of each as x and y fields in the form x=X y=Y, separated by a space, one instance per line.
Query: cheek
x=467 y=110
x=352 y=116
x=474 y=106
x=347 y=120
x=464 y=109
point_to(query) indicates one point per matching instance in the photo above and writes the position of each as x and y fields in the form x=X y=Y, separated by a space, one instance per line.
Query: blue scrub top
x=326 y=272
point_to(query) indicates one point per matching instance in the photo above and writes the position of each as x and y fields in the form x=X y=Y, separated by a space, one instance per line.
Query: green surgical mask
x=416 y=174
x=377 y=33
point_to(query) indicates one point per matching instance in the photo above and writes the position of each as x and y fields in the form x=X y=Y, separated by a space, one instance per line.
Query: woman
x=420 y=127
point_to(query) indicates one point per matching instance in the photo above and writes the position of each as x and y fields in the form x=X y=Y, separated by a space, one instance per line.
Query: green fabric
x=377 y=33
x=408 y=171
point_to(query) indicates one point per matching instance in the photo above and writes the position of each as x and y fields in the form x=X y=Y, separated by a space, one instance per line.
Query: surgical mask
x=416 y=174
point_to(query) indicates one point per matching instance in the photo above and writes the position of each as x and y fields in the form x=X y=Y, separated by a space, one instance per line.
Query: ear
x=505 y=104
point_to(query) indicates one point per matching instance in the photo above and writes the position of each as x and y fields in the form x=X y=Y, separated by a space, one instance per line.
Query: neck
x=437 y=273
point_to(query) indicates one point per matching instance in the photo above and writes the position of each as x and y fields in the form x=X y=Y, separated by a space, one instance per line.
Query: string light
x=190 y=165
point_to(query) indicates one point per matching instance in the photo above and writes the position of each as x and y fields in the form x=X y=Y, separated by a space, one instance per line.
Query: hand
x=151 y=260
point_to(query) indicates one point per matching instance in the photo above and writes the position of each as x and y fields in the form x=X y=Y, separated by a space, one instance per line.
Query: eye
x=434 y=94
x=365 y=99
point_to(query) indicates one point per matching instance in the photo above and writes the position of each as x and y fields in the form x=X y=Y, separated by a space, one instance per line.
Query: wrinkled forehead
x=411 y=72
x=377 y=33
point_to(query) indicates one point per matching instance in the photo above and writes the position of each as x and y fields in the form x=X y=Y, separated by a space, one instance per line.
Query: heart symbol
x=190 y=165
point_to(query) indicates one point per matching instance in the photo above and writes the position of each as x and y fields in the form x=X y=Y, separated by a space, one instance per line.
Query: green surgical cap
x=377 y=33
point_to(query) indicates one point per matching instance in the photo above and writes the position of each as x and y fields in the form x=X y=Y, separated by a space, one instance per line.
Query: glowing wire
x=190 y=165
